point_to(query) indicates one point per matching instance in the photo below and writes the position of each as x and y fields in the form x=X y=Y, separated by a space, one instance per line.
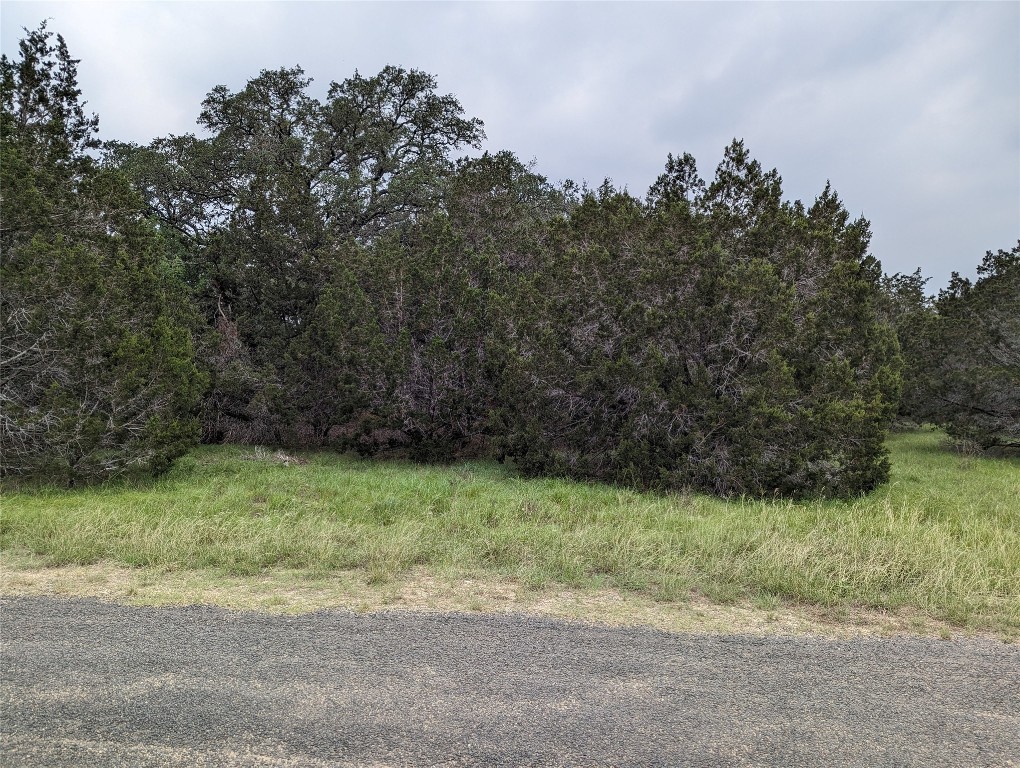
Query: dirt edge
x=294 y=592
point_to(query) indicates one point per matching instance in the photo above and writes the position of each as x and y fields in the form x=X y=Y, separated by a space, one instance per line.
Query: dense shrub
x=716 y=338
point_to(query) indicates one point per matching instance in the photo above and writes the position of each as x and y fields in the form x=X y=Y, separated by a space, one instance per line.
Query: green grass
x=942 y=538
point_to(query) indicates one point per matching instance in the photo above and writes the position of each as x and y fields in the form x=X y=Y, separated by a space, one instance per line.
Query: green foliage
x=96 y=365
x=501 y=207
x=447 y=301
x=973 y=361
x=272 y=204
x=715 y=338
x=361 y=290
x=907 y=308
x=961 y=352
x=337 y=368
x=432 y=312
x=941 y=540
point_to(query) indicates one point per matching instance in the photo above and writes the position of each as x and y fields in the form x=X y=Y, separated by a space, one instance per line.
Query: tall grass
x=942 y=538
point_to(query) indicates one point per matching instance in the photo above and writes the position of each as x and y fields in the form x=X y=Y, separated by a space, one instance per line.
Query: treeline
x=961 y=352
x=320 y=273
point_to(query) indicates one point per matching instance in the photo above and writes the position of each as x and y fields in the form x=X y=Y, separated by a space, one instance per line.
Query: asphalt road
x=85 y=683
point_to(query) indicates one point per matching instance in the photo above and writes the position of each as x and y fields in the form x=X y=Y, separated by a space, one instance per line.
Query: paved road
x=88 y=683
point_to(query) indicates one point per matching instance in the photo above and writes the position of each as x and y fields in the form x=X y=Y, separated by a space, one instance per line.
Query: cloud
x=911 y=109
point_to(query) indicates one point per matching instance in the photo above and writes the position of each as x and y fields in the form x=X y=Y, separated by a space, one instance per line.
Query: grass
x=942 y=540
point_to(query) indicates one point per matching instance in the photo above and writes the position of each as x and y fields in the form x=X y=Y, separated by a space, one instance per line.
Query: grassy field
x=942 y=540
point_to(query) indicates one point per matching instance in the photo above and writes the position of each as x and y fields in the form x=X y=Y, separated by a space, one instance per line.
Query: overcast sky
x=911 y=109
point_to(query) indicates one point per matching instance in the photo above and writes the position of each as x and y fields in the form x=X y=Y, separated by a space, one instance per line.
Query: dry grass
x=292 y=592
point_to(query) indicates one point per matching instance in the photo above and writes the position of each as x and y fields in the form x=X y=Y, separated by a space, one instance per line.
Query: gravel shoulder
x=90 y=682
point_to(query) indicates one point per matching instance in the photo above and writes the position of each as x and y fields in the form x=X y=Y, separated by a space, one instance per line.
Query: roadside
x=939 y=543
x=293 y=592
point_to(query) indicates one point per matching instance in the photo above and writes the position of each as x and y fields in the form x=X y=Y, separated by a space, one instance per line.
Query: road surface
x=89 y=683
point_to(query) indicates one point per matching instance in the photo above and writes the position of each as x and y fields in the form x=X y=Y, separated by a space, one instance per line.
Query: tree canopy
x=324 y=272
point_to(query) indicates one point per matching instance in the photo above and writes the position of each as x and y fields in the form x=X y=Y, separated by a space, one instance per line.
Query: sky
x=911 y=110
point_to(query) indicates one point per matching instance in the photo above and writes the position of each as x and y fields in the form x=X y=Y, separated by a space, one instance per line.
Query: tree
x=431 y=305
x=906 y=307
x=713 y=337
x=973 y=370
x=96 y=367
x=845 y=356
x=337 y=375
x=501 y=207
x=270 y=204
